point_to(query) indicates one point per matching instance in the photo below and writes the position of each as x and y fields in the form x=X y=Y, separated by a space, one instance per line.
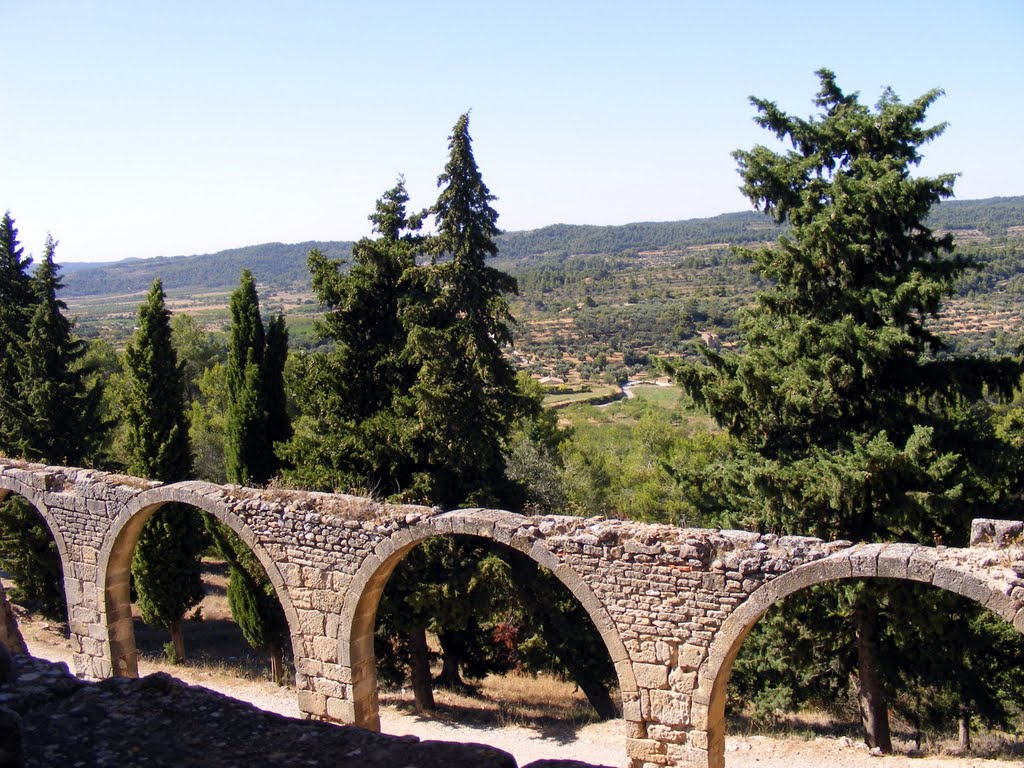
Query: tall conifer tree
x=354 y=428
x=16 y=302
x=246 y=446
x=257 y=419
x=466 y=396
x=853 y=422
x=57 y=412
x=166 y=562
x=50 y=411
x=279 y=427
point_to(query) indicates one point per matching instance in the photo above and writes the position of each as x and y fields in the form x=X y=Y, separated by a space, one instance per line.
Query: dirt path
x=599 y=744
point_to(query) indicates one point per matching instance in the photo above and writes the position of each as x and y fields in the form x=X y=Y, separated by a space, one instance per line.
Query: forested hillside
x=283 y=265
x=279 y=264
x=594 y=302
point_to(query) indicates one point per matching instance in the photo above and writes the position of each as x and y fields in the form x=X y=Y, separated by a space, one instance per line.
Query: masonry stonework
x=673 y=605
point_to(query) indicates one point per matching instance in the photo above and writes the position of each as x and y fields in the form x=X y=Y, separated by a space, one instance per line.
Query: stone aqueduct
x=673 y=605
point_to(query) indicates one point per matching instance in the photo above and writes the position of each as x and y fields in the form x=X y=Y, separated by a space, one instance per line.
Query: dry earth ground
x=525 y=725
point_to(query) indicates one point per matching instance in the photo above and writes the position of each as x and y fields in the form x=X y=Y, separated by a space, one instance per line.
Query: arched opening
x=943 y=638
x=216 y=634
x=33 y=557
x=479 y=648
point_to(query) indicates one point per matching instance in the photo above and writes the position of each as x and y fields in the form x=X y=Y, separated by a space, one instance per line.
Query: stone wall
x=671 y=604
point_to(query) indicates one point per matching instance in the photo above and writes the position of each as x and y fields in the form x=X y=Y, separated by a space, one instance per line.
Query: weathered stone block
x=341 y=711
x=864 y=560
x=651 y=675
x=670 y=707
x=690 y=656
x=996 y=534
x=894 y=560
x=311 y=623
x=948 y=576
x=326 y=649
x=648 y=750
x=922 y=565
x=312 y=703
x=687 y=756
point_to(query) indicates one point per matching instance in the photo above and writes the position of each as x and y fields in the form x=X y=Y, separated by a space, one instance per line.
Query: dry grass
x=513 y=699
x=815 y=724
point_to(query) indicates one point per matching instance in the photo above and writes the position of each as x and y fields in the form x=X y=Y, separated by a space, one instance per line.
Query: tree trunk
x=451 y=662
x=874 y=713
x=177 y=642
x=964 y=721
x=277 y=673
x=598 y=696
x=419 y=659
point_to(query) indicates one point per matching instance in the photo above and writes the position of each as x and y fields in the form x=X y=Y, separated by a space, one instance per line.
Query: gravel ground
x=599 y=744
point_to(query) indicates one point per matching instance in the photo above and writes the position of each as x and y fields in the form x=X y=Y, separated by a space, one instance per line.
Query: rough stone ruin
x=672 y=605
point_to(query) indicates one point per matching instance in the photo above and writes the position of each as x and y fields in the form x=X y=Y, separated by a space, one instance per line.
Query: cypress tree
x=279 y=427
x=155 y=409
x=246 y=446
x=166 y=562
x=257 y=419
x=252 y=599
x=16 y=302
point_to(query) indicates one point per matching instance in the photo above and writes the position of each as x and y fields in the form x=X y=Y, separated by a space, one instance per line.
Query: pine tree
x=246 y=447
x=852 y=420
x=466 y=397
x=166 y=563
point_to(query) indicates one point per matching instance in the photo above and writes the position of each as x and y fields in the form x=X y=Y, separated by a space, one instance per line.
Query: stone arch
x=906 y=562
x=116 y=557
x=359 y=611
x=34 y=496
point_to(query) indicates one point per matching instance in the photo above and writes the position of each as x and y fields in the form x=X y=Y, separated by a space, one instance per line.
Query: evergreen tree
x=155 y=408
x=166 y=563
x=852 y=419
x=17 y=300
x=252 y=599
x=354 y=430
x=457 y=321
x=257 y=418
x=29 y=553
x=279 y=427
x=57 y=412
x=247 y=451
x=51 y=411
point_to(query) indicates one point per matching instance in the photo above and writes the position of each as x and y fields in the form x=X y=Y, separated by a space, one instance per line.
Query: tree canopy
x=851 y=417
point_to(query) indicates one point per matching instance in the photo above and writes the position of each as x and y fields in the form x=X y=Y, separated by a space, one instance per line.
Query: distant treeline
x=281 y=266
x=276 y=265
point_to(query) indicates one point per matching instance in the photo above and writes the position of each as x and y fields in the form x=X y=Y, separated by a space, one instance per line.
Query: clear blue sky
x=146 y=129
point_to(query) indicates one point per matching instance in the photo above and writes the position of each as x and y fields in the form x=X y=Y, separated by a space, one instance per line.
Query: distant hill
x=279 y=266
